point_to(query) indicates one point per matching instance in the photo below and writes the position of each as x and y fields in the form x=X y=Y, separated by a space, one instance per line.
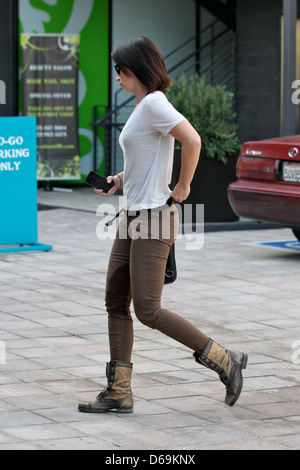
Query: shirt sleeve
x=163 y=116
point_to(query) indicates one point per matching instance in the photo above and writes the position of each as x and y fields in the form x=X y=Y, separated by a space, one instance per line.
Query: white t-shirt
x=148 y=150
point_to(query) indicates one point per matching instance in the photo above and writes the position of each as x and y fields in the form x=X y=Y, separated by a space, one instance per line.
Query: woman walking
x=136 y=270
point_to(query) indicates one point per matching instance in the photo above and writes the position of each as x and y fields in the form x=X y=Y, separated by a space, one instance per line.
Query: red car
x=268 y=184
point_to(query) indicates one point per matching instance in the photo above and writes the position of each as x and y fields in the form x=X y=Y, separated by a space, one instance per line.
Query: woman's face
x=129 y=82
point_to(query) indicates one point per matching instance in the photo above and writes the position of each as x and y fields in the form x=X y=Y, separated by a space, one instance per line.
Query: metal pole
x=288 y=123
x=198 y=37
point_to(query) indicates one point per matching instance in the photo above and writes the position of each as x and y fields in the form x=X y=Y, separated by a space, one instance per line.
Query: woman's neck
x=140 y=94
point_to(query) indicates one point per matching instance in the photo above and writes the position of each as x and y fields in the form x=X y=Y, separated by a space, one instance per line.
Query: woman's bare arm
x=191 y=146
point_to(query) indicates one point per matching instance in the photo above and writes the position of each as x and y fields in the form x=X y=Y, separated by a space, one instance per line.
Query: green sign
x=90 y=20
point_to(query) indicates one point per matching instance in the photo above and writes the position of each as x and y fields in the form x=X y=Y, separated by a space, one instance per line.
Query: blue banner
x=18 y=185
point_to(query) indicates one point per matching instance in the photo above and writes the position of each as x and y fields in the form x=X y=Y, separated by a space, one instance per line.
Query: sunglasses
x=117 y=69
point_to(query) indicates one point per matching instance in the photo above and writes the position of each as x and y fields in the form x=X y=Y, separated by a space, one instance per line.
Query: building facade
x=250 y=46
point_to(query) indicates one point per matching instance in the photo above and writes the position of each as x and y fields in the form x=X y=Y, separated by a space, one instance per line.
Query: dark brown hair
x=144 y=59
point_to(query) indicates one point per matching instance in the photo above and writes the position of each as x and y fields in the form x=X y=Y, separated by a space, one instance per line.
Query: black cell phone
x=98 y=182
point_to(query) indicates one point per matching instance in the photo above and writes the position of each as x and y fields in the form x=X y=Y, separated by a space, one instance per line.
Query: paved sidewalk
x=53 y=330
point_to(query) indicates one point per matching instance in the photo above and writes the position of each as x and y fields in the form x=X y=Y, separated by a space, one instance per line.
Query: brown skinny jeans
x=136 y=272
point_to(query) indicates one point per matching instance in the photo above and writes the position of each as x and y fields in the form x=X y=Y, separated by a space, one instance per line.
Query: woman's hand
x=181 y=192
x=117 y=184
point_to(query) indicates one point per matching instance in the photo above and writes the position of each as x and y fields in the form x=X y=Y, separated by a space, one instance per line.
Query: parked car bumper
x=273 y=202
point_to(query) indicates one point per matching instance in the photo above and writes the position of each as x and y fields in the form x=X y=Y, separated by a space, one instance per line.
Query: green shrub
x=210 y=111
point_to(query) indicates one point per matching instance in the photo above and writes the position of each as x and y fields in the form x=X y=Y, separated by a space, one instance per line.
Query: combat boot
x=228 y=364
x=117 y=396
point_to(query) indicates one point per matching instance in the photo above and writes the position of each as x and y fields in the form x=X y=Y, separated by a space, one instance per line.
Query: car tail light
x=256 y=168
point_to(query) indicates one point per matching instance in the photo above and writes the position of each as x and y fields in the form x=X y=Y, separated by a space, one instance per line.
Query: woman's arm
x=118 y=182
x=191 y=146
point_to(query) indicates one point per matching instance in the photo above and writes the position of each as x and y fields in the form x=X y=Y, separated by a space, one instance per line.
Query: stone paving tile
x=54 y=327
x=36 y=432
x=248 y=444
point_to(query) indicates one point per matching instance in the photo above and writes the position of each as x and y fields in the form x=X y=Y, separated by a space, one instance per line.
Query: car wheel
x=296 y=233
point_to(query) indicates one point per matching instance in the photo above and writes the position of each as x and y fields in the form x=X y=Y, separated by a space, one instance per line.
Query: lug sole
x=114 y=410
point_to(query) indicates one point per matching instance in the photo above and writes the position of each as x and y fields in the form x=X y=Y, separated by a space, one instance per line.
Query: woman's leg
x=147 y=272
x=147 y=267
x=118 y=299
x=117 y=395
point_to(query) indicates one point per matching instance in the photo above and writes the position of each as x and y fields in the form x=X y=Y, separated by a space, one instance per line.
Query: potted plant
x=210 y=110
